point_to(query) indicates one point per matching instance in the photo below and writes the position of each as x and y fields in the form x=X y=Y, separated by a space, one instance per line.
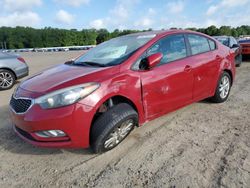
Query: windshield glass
x=223 y=40
x=114 y=51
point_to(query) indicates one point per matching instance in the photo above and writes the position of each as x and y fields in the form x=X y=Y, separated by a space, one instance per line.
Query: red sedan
x=97 y=99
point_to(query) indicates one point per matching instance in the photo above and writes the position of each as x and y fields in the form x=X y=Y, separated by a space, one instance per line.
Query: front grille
x=20 y=105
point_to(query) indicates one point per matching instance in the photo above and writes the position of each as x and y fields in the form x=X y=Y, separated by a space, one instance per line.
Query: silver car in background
x=12 y=68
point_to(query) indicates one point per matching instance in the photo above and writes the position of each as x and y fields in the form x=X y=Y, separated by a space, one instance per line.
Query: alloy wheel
x=118 y=134
x=224 y=87
x=6 y=80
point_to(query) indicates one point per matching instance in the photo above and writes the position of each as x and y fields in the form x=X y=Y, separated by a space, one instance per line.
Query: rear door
x=205 y=62
x=168 y=85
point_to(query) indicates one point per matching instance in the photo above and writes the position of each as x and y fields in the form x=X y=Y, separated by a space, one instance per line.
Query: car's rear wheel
x=223 y=88
x=7 y=79
x=112 y=127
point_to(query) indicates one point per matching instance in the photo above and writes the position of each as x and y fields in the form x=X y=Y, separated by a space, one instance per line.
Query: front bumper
x=74 y=120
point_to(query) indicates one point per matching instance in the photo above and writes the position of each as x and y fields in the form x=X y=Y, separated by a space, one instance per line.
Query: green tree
x=212 y=30
x=225 y=30
x=102 y=36
x=27 y=37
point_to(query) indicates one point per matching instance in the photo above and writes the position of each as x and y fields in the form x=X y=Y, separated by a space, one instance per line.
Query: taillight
x=21 y=59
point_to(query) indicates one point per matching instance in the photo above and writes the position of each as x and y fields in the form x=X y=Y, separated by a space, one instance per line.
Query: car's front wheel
x=7 y=79
x=223 y=88
x=112 y=127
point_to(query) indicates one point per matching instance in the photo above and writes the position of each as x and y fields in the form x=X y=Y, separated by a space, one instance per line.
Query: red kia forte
x=97 y=99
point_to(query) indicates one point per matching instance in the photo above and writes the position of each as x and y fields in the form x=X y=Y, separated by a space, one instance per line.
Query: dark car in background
x=232 y=43
x=245 y=45
x=12 y=68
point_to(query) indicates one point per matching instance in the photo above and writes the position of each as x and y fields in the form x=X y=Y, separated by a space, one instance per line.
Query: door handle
x=187 y=68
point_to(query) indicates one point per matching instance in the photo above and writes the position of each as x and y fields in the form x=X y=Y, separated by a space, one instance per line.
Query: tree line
x=27 y=37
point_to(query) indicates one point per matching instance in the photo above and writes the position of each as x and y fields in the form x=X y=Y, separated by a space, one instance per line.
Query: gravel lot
x=202 y=145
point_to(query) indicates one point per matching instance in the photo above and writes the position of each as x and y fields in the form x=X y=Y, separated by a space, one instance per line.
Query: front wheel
x=223 y=88
x=112 y=127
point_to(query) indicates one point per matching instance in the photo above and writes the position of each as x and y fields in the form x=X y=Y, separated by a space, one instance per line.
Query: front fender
x=126 y=85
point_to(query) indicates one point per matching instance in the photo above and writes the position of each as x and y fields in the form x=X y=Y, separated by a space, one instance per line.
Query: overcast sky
x=124 y=14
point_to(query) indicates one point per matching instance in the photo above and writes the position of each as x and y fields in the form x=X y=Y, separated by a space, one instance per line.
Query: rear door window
x=198 y=44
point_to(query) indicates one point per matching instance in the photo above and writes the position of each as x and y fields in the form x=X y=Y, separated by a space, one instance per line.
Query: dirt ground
x=202 y=145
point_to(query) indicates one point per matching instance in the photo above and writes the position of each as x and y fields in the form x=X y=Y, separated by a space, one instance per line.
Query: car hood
x=62 y=76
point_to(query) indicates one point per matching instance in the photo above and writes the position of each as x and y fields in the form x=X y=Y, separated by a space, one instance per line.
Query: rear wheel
x=112 y=127
x=223 y=88
x=7 y=79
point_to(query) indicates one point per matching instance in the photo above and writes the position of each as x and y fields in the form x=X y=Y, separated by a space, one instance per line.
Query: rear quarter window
x=198 y=44
x=212 y=44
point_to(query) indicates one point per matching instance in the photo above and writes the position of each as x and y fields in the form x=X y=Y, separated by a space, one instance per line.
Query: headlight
x=67 y=96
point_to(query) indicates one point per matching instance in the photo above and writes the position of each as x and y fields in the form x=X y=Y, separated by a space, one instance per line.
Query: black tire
x=11 y=78
x=108 y=123
x=217 y=98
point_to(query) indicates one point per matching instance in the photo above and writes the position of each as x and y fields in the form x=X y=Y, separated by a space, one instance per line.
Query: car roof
x=146 y=33
x=222 y=36
x=164 y=32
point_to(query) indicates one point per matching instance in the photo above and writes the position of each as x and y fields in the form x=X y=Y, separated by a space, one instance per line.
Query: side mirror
x=151 y=61
x=235 y=46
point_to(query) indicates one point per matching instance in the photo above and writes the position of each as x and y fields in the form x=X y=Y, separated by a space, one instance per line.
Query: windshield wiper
x=88 y=63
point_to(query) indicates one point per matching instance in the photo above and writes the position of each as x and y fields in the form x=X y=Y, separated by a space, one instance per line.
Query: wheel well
x=10 y=71
x=115 y=100
x=121 y=99
x=231 y=75
x=104 y=107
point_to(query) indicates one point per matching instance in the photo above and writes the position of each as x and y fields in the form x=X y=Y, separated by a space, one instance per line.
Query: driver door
x=169 y=85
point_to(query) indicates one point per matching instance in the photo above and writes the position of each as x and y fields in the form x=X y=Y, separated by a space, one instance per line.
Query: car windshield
x=223 y=40
x=114 y=51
